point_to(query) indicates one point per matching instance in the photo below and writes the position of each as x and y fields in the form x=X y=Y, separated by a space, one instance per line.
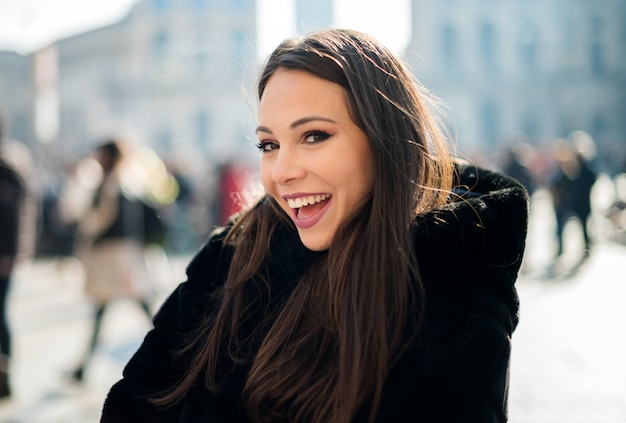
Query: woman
x=110 y=244
x=374 y=281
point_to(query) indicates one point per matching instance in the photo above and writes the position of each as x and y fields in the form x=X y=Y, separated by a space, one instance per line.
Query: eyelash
x=262 y=146
x=320 y=135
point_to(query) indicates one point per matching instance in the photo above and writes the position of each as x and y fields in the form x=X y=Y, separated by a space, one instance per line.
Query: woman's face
x=316 y=162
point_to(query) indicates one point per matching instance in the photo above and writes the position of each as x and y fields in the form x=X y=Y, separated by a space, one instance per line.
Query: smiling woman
x=312 y=149
x=373 y=280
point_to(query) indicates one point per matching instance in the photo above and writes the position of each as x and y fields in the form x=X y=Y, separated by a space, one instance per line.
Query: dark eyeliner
x=320 y=134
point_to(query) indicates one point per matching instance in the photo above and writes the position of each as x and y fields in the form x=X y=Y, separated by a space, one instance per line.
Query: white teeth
x=296 y=203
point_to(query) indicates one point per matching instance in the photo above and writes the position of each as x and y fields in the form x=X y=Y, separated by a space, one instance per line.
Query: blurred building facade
x=173 y=71
x=540 y=69
x=17 y=94
x=171 y=74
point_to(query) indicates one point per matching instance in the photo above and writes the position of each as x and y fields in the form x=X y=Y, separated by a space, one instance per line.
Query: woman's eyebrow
x=308 y=119
x=265 y=129
x=297 y=123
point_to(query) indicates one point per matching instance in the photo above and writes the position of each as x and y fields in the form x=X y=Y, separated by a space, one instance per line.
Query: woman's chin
x=314 y=242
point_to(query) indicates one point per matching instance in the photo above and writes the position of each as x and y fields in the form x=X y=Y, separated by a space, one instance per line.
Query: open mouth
x=308 y=210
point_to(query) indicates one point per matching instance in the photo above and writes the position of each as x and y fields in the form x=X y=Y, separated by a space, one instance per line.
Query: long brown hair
x=333 y=343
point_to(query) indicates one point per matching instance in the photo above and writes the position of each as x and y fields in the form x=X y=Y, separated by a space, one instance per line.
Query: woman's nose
x=287 y=167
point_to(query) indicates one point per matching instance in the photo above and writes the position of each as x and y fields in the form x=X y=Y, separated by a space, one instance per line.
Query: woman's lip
x=311 y=220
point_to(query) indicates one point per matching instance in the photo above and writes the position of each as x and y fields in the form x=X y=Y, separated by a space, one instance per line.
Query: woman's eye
x=315 y=137
x=266 y=146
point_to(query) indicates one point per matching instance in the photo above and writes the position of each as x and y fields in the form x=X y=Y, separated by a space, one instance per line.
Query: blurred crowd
x=188 y=205
x=111 y=209
x=585 y=184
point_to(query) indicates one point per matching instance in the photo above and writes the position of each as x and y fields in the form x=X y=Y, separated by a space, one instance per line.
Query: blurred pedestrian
x=12 y=194
x=515 y=164
x=110 y=239
x=570 y=187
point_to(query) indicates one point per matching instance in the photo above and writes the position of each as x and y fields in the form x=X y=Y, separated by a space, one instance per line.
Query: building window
x=200 y=5
x=490 y=122
x=488 y=46
x=239 y=4
x=450 y=48
x=164 y=140
x=160 y=6
x=241 y=44
x=160 y=45
x=530 y=125
x=201 y=126
x=568 y=47
x=598 y=66
x=201 y=63
x=528 y=46
x=598 y=126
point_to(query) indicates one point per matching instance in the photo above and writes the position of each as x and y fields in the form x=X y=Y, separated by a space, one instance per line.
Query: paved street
x=568 y=354
x=51 y=321
x=568 y=351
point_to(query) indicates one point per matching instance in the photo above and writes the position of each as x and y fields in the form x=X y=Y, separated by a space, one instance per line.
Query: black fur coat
x=455 y=370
